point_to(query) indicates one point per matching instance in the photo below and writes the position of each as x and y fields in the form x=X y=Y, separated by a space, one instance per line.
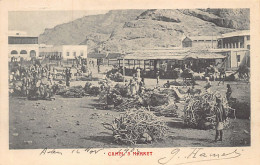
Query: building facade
x=63 y=51
x=204 y=42
x=235 y=40
x=237 y=44
x=21 y=46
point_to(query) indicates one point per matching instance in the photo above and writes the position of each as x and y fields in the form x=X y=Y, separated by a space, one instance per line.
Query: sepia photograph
x=146 y=78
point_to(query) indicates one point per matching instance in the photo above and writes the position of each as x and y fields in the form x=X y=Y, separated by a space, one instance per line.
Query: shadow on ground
x=103 y=139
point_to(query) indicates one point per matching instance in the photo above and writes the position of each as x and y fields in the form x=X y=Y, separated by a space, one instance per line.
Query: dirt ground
x=76 y=123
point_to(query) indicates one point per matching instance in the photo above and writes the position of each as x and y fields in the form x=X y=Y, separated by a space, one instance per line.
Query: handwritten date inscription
x=46 y=151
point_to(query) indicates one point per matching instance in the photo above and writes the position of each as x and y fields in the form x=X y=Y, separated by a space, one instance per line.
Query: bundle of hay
x=158 y=99
x=115 y=75
x=128 y=103
x=200 y=111
x=169 y=110
x=137 y=126
x=59 y=89
x=75 y=92
x=91 y=89
x=123 y=89
x=114 y=98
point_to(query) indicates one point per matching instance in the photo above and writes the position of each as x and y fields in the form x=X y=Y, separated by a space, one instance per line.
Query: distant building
x=63 y=51
x=20 y=45
x=186 y=42
x=235 y=40
x=237 y=47
x=204 y=42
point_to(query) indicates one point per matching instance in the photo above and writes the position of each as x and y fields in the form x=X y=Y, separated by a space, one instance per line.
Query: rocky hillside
x=123 y=30
x=88 y=30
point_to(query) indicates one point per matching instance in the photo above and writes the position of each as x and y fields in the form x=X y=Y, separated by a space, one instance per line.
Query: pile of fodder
x=200 y=111
x=59 y=89
x=167 y=110
x=158 y=99
x=115 y=75
x=74 y=92
x=113 y=97
x=154 y=98
x=136 y=126
x=123 y=90
x=128 y=103
x=149 y=98
x=180 y=83
x=92 y=89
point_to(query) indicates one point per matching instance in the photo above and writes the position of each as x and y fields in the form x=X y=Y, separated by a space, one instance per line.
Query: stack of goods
x=158 y=99
x=167 y=110
x=123 y=89
x=200 y=111
x=59 y=89
x=129 y=103
x=149 y=98
x=115 y=75
x=137 y=126
x=91 y=89
x=75 y=92
x=114 y=98
x=180 y=83
x=72 y=92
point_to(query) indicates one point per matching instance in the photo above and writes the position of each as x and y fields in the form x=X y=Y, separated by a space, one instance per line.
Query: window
x=68 y=53
x=248 y=46
x=238 y=58
x=248 y=38
x=14 y=52
x=74 y=54
x=23 y=52
x=241 y=45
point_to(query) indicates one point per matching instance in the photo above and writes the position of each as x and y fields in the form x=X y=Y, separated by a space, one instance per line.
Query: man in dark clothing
x=222 y=76
x=157 y=77
x=220 y=118
x=229 y=92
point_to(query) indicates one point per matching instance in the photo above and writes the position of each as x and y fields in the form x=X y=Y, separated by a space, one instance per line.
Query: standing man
x=138 y=75
x=208 y=84
x=157 y=77
x=67 y=74
x=98 y=68
x=222 y=75
x=229 y=92
x=220 y=118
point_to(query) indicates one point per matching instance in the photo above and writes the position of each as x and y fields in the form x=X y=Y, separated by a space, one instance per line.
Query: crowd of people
x=33 y=81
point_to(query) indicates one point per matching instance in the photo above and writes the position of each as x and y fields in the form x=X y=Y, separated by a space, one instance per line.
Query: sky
x=34 y=22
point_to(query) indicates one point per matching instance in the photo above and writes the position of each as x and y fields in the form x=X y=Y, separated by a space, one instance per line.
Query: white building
x=202 y=42
x=235 y=40
x=237 y=44
x=20 y=45
x=63 y=51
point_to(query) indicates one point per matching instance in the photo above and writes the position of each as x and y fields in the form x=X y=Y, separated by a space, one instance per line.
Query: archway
x=32 y=53
x=23 y=52
x=14 y=52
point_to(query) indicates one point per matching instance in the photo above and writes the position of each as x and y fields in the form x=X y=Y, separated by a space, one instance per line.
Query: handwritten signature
x=197 y=155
